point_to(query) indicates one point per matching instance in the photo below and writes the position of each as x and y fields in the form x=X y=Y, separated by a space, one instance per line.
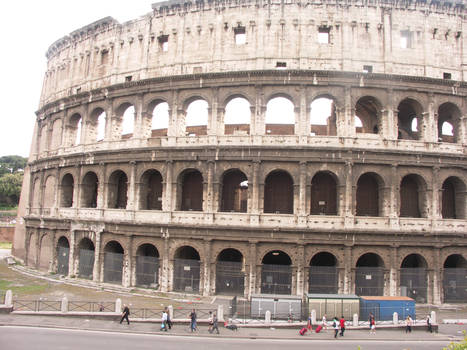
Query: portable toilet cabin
x=333 y=305
x=383 y=308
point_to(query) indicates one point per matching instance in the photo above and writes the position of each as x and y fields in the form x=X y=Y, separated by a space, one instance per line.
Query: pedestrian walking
x=192 y=317
x=342 y=325
x=164 y=325
x=214 y=325
x=125 y=314
x=324 y=323
x=210 y=322
x=408 y=324
x=309 y=324
x=169 y=321
x=428 y=323
x=335 y=325
x=372 y=324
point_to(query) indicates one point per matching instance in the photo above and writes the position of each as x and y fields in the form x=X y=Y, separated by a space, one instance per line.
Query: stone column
x=349 y=115
x=96 y=271
x=208 y=203
x=77 y=187
x=131 y=203
x=206 y=268
x=437 y=195
x=302 y=189
x=127 y=264
x=393 y=273
x=58 y=192
x=252 y=263
x=394 y=197
x=437 y=277
x=102 y=191
x=212 y=116
x=349 y=190
x=254 y=206
x=108 y=120
x=72 y=268
x=138 y=131
x=349 y=287
x=462 y=132
x=301 y=288
x=165 y=271
x=167 y=193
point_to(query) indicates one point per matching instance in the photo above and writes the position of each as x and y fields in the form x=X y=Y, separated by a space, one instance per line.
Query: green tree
x=12 y=164
x=10 y=188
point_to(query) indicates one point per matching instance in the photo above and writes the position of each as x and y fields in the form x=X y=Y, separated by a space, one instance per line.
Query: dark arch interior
x=118 y=190
x=89 y=190
x=113 y=247
x=413 y=260
x=323 y=194
x=370 y=260
x=323 y=259
x=87 y=244
x=232 y=255
x=192 y=191
x=278 y=193
x=151 y=192
x=367 y=196
x=63 y=242
x=187 y=252
x=147 y=250
x=367 y=109
x=276 y=257
x=408 y=110
x=234 y=192
x=409 y=201
x=67 y=191
x=455 y=261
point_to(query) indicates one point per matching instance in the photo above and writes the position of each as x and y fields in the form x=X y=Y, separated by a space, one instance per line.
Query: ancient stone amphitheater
x=253 y=146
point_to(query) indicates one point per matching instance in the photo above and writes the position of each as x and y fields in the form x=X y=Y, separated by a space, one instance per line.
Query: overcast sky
x=28 y=28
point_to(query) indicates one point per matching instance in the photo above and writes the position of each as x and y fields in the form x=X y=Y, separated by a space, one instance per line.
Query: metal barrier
x=91 y=306
x=201 y=313
x=146 y=313
x=37 y=305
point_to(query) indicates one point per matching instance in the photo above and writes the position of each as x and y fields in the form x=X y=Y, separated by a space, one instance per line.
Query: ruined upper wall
x=181 y=37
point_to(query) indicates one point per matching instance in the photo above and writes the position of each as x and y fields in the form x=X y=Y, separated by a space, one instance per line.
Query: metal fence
x=230 y=278
x=186 y=275
x=62 y=260
x=91 y=306
x=147 y=271
x=323 y=279
x=455 y=285
x=113 y=265
x=276 y=279
x=415 y=282
x=37 y=305
x=201 y=313
x=369 y=281
x=86 y=263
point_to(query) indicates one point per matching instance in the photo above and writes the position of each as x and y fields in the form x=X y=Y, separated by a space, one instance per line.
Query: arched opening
x=369 y=275
x=323 y=275
x=449 y=117
x=453 y=200
x=49 y=192
x=113 y=262
x=186 y=270
x=323 y=117
x=192 y=191
x=276 y=273
x=411 y=196
x=413 y=281
x=278 y=193
x=36 y=196
x=63 y=255
x=151 y=190
x=96 y=126
x=368 y=112
x=118 y=190
x=86 y=258
x=234 y=192
x=197 y=115
x=67 y=189
x=45 y=252
x=454 y=279
x=74 y=130
x=128 y=121
x=101 y=122
x=230 y=276
x=56 y=134
x=409 y=120
x=89 y=189
x=323 y=194
x=237 y=117
x=160 y=120
x=147 y=266
x=280 y=117
x=367 y=195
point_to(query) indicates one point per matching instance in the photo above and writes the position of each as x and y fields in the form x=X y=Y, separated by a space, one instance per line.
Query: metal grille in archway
x=455 y=285
x=113 y=265
x=86 y=263
x=229 y=278
x=415 y=280
x=323 y=279
x=147 y=271
x=276 y=279
x=369 y=281
x=186 y=275
x=62 y=260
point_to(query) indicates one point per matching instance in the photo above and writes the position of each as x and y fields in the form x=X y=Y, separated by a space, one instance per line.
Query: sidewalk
x=182 y=329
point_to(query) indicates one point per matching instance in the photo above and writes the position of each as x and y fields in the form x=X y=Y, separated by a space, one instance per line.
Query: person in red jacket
x=342 y=324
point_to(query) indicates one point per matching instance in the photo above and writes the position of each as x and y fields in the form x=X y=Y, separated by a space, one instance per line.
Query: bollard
x=355 y=320
x=220 y=313
x=64 y=308
x=433 y=317
x=313 y=316
x=395 y=318
x=118 y=305
x=8 y=298
x=171 y=311
x=267 y=317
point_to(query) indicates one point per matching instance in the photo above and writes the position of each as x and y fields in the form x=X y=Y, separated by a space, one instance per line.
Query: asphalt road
x=20 y=338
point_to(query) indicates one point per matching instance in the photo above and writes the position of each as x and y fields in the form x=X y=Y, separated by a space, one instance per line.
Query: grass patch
x=6 y=245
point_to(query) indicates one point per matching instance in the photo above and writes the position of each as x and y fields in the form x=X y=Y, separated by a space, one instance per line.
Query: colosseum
x=241 y=147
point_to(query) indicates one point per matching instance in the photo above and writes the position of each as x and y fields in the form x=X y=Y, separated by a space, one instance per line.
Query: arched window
x=276 y=273
x=323 y=194
x=128 y=122
x=73 y=130
x=86 y=258
x=323 y=117
x=186 y=270
x=113 y=262
x=147 y=266
x=409 y=120
x=449 y=117
x=89 y=190
x=67 y=189
x=454 y=281
x=49 y=192
x=367 y=195
x=278 y=193
x=280 y=117
x=151 y=190
x=234 y=192
x=56 y=134
x=453 y=199
x=237 y=117
x=197 y=116
x=63 y=253
x=368 y=112
x=192 y=190
x=118 y=190
x=230 y=278
x=410 y=197
x=414 y=278
x=160 y=120
x=323 y=275
x=369 y=275
x=101 y=123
